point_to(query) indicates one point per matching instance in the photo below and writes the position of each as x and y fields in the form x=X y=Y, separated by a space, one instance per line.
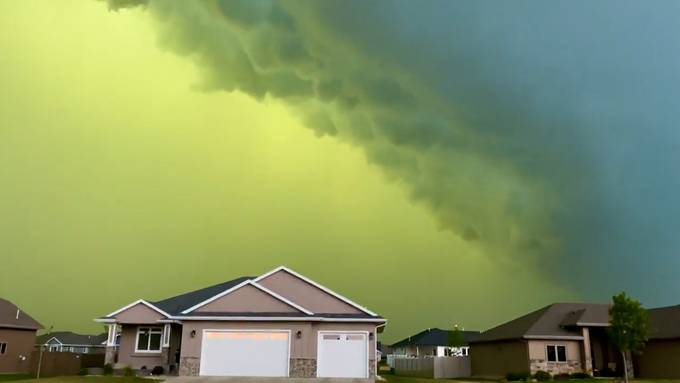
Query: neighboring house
x=17 y=337
x=278 y=324
x=433 y=342
x=661 y=356
x=558 y=338
x=67 y=341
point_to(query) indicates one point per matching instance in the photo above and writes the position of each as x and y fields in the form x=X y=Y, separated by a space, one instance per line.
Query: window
x=149 y=339
x=556 y=353
x=3 y=348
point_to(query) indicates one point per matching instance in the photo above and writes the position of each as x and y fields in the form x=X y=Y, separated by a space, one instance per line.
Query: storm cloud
x=544 y=132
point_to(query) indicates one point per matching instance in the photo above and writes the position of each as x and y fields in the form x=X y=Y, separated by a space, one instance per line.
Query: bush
x=580 y=375
x=542 y=376
x=158 y=370
x=562 y=376
x=108 y=369
x=83 y=371
x=517 y=376
x=127 y=371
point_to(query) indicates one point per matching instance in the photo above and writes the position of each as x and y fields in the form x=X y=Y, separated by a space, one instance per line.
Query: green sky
x=121 y=178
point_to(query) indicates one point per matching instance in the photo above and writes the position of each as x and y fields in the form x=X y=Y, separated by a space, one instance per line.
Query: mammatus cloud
x=513 y=123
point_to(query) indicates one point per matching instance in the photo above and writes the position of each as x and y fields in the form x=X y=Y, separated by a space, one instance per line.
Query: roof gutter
x=280 y=319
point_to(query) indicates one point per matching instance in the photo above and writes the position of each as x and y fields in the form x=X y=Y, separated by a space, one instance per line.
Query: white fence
x=435 y=367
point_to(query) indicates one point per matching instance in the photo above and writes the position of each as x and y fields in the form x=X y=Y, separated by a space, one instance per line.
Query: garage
x=245 y=353
x=342 y=354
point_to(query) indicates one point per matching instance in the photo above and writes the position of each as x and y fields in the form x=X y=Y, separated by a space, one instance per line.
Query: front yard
x=76 y=379
x=406 y=379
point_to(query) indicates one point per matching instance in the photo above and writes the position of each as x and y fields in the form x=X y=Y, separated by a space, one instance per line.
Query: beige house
x=559 y=338
x=17 y=338
x=278 y=324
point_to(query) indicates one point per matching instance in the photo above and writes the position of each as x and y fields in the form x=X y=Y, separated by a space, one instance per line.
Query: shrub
x=83 y=371
x=580 y=375
x=542 y=376
x=108 y=369
x=158 y=370
x=127 y=371
x=517 y=376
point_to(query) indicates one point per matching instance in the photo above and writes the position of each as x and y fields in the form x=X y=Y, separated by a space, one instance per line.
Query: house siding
x=659 y=359
x=538 y=357
x=137 y=314
x=128 y=357
x=302 y=351
x=495 y=359
x=247 y=299
x=20 y=343
x=306 y=295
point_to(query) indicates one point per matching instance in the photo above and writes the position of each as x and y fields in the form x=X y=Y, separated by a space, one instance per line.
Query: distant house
x=433 y=342
x=67 y=341
x=17 y=337
x=572 y=337
x=558 y=338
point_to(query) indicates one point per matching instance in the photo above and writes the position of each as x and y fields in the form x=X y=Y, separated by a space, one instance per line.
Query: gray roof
x=664 y=322
x=434 y=337
x=12 y=317
x=71 y=338
x=558 y=320
x=175 y=305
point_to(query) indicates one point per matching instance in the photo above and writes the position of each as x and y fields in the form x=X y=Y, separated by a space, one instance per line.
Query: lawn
x=406 y=379
x=9 y=377
x=76 y=379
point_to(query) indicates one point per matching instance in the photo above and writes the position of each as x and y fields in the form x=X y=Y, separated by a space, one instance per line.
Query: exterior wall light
x=193 y=333
x=298 y=334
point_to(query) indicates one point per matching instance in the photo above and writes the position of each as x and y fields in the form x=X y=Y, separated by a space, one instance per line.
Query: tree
x=456 y=338
x=628 y=327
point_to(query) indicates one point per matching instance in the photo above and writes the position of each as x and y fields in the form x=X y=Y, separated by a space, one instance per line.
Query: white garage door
x=245 y=353
x=342 y=355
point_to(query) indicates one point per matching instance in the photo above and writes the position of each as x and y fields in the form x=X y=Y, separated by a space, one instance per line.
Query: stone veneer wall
x=554 y=368
x=302 y=368
x=371 y=368
x=188 y=366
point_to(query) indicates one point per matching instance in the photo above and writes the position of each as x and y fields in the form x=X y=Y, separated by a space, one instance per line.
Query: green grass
x=9 y=377
x=407 y=379
x=80 y=379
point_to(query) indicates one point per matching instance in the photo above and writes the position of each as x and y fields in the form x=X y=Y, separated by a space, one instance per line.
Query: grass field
x=76 y=379
x=407 y=379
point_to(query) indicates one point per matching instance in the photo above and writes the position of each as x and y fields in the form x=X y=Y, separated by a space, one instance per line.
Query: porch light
x=298 y=334
x=370 y=335
x=193 y=333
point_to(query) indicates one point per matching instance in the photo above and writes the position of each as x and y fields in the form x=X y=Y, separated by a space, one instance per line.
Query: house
x=558 y=338
x=17 y=337
x=661 y=356
x=280 y=323
x=433 y=342
x=67 y=341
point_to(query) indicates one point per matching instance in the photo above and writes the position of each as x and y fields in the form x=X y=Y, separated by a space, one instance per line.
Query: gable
x=247 y=299
x=305 y=294
x=138 y=313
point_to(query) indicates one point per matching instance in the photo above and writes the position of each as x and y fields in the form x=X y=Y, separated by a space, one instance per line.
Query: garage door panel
x=342 y=355
x=245 y=353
